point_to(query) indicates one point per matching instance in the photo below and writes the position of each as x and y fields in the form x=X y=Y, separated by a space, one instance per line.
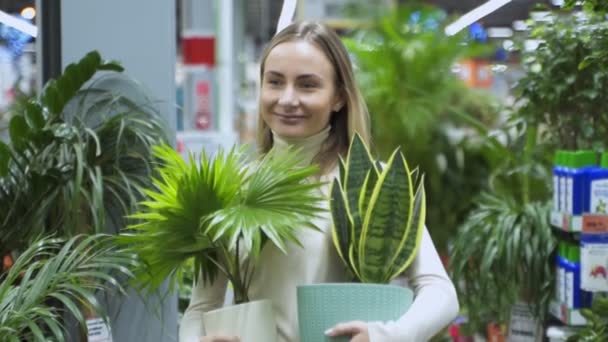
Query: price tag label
x=98 y=331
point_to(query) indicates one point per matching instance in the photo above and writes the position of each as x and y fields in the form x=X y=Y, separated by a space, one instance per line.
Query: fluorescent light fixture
x=531 y=44
x=474 y=15
x=500 y=32
x=543 y=16
x=520 y=25
x=18 y=24
x=287 y=13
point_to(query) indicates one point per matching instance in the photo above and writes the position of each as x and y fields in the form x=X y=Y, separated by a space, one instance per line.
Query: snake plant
x=378 y=214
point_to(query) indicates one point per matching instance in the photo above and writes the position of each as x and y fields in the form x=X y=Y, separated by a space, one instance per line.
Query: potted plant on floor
x=71 y=272
x=220 y=212
x=378 y=216
x=78 y=153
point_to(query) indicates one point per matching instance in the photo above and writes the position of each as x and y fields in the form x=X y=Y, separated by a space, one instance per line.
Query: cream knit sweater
x=277 y=276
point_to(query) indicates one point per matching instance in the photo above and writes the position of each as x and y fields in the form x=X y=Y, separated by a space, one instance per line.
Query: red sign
x=199 y=50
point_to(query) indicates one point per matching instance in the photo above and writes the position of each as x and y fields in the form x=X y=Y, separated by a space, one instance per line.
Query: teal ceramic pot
x=321 y=306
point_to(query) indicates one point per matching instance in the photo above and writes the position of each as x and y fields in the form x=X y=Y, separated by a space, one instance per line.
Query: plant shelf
x=586 y=223
x=566 y=315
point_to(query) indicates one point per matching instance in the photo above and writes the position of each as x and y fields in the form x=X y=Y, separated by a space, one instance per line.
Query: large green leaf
x=341 y=230
x=359 y=163
x=388 y=213
x=19 y=132
x=410 y=244
x=5 y=157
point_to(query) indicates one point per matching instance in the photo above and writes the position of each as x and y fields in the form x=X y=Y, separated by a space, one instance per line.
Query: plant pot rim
x=367 y=285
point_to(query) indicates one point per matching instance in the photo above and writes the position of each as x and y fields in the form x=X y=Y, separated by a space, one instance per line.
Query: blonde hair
x=352 y=117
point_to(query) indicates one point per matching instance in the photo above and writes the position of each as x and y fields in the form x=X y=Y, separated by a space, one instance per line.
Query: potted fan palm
x=220 y=212
x=378 y=216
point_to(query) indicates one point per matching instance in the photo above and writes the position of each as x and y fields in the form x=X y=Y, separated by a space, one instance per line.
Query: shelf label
x=595 y=224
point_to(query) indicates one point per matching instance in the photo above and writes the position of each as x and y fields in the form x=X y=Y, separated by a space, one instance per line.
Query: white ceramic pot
x=252 y=322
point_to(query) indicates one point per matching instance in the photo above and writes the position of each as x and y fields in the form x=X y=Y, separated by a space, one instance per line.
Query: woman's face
x=298 y=91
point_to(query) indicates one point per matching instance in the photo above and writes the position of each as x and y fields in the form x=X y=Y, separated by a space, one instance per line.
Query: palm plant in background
x=75 y=155
x=378 y=217
x=502 y=252
x=70 y=272
x=220 y=212
x=404 y=65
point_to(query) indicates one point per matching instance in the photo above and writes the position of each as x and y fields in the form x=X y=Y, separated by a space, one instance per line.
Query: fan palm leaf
x=220 y=211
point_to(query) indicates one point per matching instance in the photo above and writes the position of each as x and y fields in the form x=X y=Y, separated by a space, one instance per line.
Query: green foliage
x=404 y=66
x=378 y=214
x=69 y=272
x=596 y=329
x=598 y=6
x=566 y=83
x=221 y=211
x=75 y=155
x=502 y=252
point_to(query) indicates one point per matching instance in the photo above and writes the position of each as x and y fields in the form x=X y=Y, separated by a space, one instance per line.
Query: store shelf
x=567 y=222
x=587 y=223
x=566 y=315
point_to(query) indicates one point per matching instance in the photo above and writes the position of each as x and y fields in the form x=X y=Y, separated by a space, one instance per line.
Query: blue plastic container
x=557 y=174
x=582 y=164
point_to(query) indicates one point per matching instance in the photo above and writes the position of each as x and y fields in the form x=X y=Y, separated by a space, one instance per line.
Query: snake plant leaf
x=408 y=250
x=388 y=209
x=341 y=232
x=359 y=162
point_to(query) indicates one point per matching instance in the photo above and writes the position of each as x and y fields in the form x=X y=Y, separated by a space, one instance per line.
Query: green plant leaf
x=33 y=116
x=19 y=132
x=388 y=213
x=5 y=157
x=341 y=230
x=410 y=245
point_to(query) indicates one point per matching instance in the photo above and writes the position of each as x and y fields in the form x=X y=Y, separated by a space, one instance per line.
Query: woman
x=309 y=99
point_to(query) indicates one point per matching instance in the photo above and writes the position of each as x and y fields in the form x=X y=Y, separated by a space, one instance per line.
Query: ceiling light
x=520 y=25
x=28 y=13
x=18 y=24
x=474 y=15
x=545 y=16
x=500 y=32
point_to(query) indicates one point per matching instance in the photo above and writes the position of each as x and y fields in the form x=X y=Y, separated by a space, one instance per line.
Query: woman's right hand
x=220 y=338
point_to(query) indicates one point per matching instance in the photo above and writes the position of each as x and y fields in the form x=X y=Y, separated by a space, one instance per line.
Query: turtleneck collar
x=309 y=146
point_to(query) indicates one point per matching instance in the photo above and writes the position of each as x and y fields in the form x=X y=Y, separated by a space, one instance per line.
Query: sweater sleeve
x=205 y=297
x=435 y=303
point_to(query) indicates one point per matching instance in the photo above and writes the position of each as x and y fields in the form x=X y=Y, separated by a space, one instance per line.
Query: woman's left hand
x=356 y=329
